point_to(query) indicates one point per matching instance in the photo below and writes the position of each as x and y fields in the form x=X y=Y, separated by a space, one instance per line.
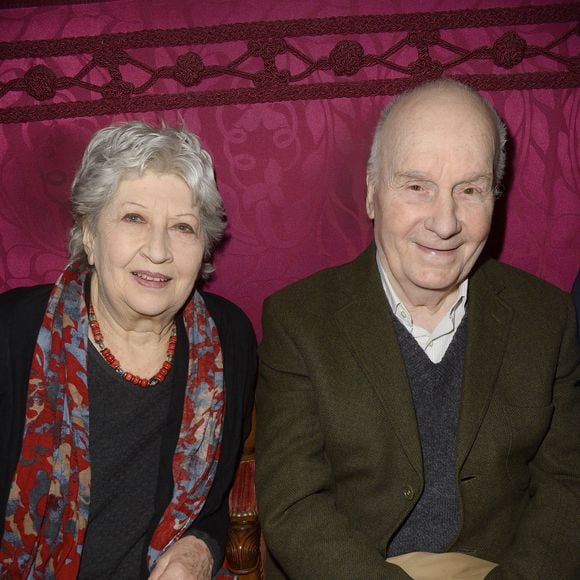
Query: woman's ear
x=88 y=244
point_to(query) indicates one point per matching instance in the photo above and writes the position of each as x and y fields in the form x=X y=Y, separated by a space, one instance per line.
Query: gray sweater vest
x=436 y=389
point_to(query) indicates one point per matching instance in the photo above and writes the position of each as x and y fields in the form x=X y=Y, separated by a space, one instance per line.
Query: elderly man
x=418 y=414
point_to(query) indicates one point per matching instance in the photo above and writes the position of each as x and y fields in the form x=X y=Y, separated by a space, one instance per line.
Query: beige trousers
x=446 y=566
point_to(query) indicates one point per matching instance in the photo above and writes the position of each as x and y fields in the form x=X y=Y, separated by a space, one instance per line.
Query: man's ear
x=88 y=244
x=370 y=200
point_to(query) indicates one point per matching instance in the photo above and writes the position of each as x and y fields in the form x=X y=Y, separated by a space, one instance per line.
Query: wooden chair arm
x=243 y=544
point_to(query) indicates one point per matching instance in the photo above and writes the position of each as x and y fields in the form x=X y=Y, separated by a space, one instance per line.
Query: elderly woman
x=125 y=393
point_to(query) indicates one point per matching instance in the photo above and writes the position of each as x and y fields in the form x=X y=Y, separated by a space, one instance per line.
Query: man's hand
x=449 y=565
x=188 y=559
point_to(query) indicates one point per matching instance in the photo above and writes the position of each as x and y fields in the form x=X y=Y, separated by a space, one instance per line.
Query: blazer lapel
x=366 y=324
x=489 y=324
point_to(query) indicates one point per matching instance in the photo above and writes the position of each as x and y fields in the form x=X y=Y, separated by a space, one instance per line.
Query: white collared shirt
x=435 y=343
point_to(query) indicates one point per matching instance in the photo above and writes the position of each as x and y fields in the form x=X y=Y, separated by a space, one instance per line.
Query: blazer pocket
x=528 y=427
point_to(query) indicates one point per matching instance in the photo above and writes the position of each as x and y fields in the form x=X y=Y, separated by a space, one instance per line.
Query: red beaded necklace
x=114 y=363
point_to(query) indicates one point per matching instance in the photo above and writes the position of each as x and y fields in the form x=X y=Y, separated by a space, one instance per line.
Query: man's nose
x=157 y=245
x=443 y=219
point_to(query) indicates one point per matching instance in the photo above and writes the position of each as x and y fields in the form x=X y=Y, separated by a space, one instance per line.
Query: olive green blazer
x=339 y=463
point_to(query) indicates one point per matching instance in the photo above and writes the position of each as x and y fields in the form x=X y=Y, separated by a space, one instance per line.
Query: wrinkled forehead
x=136 y=178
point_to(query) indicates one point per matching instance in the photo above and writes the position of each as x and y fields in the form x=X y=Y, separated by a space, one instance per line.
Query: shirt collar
x=456 y=312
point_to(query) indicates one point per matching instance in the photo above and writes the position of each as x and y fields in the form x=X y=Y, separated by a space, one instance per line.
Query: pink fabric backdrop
x=286 y=109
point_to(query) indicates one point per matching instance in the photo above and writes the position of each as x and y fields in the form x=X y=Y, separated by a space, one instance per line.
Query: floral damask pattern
x=291 y=133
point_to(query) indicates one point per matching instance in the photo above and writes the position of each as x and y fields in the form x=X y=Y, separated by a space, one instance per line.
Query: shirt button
x=409 y=492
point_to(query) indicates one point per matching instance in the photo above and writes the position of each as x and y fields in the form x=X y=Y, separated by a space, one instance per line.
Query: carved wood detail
x=243 y=547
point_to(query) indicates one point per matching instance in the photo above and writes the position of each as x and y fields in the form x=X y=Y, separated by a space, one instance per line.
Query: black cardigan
x=21 y=314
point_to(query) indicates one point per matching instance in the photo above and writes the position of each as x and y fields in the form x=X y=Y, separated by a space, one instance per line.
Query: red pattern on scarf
x=48 y=506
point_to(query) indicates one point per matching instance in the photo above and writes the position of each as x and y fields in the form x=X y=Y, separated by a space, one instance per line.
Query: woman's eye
x=133 y=218
x=185 y=228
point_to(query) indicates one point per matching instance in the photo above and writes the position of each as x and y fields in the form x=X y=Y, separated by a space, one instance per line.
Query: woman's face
x=146 y=251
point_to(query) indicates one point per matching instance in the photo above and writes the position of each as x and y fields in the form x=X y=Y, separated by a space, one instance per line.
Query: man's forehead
x=434 y=113
x=443 y=105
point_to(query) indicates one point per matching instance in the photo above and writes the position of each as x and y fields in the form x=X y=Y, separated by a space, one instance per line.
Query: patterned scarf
x=48 y=506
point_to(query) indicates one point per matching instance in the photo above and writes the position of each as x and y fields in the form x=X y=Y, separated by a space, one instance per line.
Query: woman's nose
x=157 y=246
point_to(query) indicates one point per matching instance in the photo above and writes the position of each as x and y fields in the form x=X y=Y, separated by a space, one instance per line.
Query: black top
x=21 y=314
x=126 y=430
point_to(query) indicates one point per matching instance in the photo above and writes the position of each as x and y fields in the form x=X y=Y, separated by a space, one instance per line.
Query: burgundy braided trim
x=255 y=69
x=295 y=28
x=372 y=88
x=36 y=3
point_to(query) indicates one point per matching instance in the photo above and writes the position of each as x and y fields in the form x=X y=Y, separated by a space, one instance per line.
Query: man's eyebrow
x=426 y=177
x=477 y=177
x=412 y=175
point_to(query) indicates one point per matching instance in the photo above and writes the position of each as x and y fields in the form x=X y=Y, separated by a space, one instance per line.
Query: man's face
x=432 y=204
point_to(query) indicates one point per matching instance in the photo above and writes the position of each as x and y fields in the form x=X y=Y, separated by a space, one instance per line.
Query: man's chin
x=438 y=283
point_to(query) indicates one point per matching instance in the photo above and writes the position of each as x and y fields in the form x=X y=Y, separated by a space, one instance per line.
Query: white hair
x=131 y=149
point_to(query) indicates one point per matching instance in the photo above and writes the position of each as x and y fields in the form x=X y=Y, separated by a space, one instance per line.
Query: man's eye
x=415 y=187
x=133 y=218
x=475 y=193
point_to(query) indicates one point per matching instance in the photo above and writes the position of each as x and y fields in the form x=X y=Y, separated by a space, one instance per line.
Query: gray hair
x=131 y=149
x=500 y=131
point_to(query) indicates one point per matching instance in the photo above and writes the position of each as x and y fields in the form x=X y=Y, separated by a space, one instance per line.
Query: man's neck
x=427 y=307
x=426 y=311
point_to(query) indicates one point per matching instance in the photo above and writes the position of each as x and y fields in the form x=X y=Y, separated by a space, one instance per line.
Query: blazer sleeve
x=546 y=543
x=304 y=531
